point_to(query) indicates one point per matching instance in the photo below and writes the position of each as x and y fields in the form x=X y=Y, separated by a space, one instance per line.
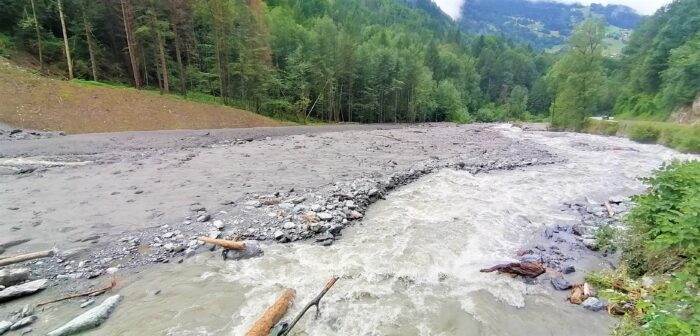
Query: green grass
x=684 y=138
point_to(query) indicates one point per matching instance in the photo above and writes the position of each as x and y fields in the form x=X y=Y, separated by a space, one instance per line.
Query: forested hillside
x=359 y=60
x=660 y=70
x=543 y=24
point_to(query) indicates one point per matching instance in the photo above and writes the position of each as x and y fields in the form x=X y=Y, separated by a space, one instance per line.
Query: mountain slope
x=542 y=24
x=36 y=102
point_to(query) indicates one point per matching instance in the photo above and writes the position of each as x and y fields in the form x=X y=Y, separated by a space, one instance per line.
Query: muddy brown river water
x=411 y=267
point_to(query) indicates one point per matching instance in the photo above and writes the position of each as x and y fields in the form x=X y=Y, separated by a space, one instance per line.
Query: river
x=411 y=267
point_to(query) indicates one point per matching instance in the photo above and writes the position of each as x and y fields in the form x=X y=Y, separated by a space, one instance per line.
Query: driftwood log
x=315 y=302
x=529 y=270
x=111 y=285
x=25 y=257
x=227 y=244
x=273 y=315
x=611 y=212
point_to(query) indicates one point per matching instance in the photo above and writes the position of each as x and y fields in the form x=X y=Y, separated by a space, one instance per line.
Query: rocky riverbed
x=113 y=204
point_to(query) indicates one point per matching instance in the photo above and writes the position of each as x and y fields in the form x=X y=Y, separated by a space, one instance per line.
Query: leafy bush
x=605 y=238
x=7 y=46
x=601 y=127
x=644 y=133
x=667 y=218
x=664 y=240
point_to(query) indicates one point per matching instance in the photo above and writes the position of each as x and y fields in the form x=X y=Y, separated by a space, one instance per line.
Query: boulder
x=252 y=250
x=593 y=304
x=5 y=326
x=25 y=289
x=568 y=269
x=560 y=283
x=9 y=277
x=23 y=322
x=90 y=319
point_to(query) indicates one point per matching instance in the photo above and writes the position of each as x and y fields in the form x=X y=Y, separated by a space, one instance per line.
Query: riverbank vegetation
x=684 y=138
x=657 y=287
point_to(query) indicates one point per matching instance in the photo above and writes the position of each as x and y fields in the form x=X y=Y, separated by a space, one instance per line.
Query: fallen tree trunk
x=227 y=244
x=25 y=257
x=273 y=315
x=530 y=270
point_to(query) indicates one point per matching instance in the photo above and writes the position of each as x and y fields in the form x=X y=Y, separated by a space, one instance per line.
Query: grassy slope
x=32 y=101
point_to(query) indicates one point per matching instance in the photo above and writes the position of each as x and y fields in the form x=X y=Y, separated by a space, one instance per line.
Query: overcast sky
x=451 y=7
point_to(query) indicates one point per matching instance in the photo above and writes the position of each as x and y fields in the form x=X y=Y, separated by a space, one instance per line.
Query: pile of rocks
x=564 y=244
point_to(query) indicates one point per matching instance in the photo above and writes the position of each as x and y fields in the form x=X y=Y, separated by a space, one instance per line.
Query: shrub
x=645 y=133
x=601 y=127
x=663 y=240
x=7 y=45
x=667 y=218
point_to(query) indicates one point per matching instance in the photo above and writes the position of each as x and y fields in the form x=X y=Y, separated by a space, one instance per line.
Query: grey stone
x=190 y=252
x=593 y=304
x=590 y=243
x=25 y=289
x=204 y=218
x=324 y=238
x=112 y=270
x=219 y=224
x=26 y=311
x=252 y=250
x=286 y=206
x=9 y=277
x=289 y=225
x=560 y=283
x=5 y=326
x=90 y=319
x=325 y=216
x=278 y=235
x=23 y=322
x=568 y=269
x=335 y=229
x=354 y=214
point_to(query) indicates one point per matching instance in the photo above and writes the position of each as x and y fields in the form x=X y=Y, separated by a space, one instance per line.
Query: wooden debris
x=273 y=315
x=620 y=308
x=310 y=218
x=25 y=257
x=610 y=209
x=578 y=294
x=111 y=285
x=529 y=270
x=271 y=201
x=315 y=302
x=227 y=244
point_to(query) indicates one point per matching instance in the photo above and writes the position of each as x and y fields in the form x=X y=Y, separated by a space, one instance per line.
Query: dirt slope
x=31 y=101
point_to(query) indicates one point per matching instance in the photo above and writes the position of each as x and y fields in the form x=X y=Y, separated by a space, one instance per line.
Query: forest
x=356 y=61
